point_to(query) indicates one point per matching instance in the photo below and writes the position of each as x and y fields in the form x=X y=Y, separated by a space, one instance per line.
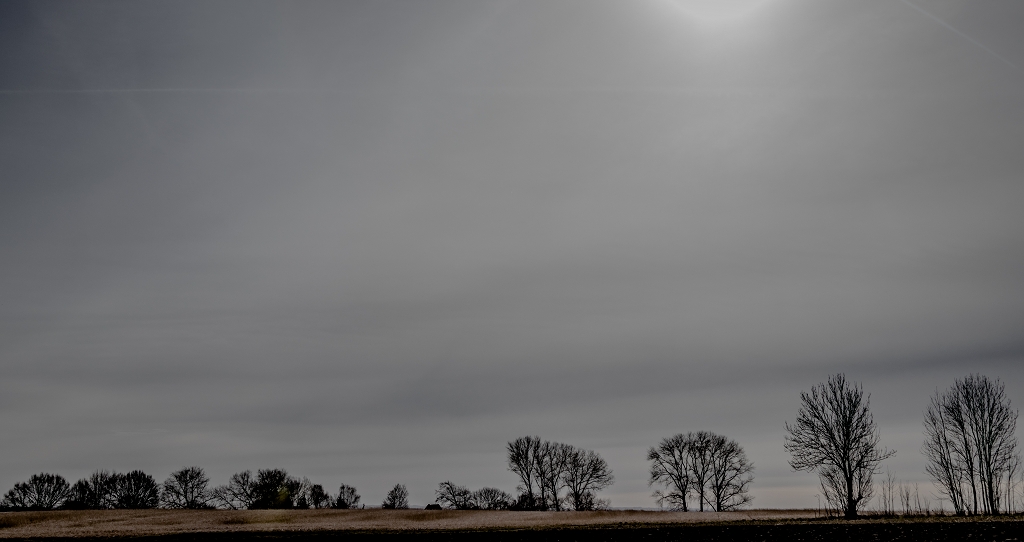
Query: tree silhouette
x=318 y=497
x=397 y=498
x=836 y=435
x=134 y=490
x=491 y=498
x=186 y=488
x=347 y=497
x=42 y=491
x=274 y=488
x=92 y=493
x=970 y=444
x=238 y=494
x=701 y=465
x=451 y=496
x=670 y=467
x=585 y=474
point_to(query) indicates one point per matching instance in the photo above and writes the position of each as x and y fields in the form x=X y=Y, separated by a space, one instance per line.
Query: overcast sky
x=371 y=242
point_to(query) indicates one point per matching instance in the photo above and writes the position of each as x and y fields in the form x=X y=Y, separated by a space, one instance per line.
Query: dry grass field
x=106 y=523
x=448 y=525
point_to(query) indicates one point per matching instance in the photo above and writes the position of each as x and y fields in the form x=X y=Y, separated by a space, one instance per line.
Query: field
x=648 y=526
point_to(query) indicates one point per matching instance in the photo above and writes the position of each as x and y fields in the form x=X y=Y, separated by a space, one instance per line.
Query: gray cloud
x=371 y=242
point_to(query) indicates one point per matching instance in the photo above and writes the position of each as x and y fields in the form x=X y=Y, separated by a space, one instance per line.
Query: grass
x=306 y=523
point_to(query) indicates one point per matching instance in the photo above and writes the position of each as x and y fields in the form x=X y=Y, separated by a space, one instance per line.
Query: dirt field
x=467 y=526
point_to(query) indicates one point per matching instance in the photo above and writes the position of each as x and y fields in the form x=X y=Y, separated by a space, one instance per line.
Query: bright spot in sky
x=717 y=10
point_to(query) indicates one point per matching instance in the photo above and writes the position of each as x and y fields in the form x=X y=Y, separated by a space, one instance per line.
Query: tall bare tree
x=670 y=467
x=701 y=450
x=731 y=475
x=585 y=474
x=550 y=470
x=971 y=445
x=186 y=488
x=545 y=468
x=836 y=435
x=704 y=465
x=523 y=454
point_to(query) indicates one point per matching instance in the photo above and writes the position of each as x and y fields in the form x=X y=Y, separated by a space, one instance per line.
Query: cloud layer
x=371 y=242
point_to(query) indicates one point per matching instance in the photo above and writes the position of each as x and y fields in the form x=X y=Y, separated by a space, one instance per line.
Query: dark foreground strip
x=832 y=532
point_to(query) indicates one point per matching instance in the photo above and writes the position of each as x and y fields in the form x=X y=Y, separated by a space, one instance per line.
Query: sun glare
x=717 y=10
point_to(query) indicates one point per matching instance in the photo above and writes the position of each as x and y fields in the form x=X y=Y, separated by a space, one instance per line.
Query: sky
x=371 y=242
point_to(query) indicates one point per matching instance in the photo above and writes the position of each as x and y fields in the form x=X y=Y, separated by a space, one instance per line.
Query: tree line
x=187 y=488
x=970 y=446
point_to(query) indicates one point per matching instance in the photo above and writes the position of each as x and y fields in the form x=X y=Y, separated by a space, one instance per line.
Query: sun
x=717 y=10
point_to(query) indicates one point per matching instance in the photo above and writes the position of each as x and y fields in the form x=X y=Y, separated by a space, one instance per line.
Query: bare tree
x=491 y=498
x=731 y=475
x=704 y=465
x=1011 y=485
x=585 y=474
x=836 y=435
x=971 y=445
x=670 y=467
x=238 y=494
x=701 y=450
x=42 y=491
x=318 y=497
x=135 y=490
x=397 y=498
x=274 y=488
x=454 y=497
x=92 y=493
x=888 y=487
x=347 y=497
x=549 y=469
x=186 y=488
x=523 y=454
x=545 y=468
